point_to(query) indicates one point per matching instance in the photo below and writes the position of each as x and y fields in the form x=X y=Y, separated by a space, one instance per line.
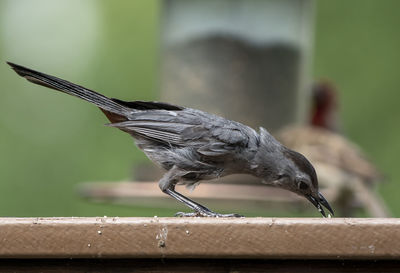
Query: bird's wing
x=210 y=135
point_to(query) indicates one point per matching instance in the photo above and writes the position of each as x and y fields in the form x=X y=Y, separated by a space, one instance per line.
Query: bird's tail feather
x=70 y=88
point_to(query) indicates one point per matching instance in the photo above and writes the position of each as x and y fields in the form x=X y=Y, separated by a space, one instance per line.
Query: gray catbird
x=192 y=145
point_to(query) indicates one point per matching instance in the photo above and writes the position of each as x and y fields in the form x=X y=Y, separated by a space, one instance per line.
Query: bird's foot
x=207 y=214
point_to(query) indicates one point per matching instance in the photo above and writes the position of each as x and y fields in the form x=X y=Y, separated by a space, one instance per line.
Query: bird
x=341 y=164
x=192 y=145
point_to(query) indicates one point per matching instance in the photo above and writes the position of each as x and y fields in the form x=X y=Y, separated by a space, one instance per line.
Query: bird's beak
x=317 y=202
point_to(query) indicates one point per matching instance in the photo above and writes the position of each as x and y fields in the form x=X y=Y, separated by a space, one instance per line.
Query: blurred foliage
x=50 y=142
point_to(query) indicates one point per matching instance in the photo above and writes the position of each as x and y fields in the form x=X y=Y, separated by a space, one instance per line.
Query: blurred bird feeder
x=247 y=60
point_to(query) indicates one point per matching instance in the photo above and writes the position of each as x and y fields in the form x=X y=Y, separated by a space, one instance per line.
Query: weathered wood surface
x=254 y=238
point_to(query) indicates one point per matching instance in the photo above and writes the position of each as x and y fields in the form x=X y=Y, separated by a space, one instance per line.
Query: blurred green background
x=50 y=142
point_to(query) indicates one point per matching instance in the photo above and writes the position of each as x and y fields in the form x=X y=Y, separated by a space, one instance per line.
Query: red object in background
x=324 y=107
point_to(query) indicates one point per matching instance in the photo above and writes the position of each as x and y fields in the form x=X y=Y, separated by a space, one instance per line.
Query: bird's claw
x=207 y=214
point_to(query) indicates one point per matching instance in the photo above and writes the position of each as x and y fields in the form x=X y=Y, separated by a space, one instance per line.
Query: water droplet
x=161 y=243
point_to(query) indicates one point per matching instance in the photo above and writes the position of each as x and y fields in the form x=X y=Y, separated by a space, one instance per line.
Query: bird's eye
x=303 y=185
x=281 y=176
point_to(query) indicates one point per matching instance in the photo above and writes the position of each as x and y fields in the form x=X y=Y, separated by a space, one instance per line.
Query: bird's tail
x=70 y=88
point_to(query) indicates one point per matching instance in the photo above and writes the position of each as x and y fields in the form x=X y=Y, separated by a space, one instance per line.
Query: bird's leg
x=167 y=185
x=200 y=210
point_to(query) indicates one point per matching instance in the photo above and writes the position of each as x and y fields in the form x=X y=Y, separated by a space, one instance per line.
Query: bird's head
x=284 y=168
x=299 y=176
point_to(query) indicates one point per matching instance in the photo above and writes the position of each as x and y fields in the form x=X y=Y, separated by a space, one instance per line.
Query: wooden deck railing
x=236 y=240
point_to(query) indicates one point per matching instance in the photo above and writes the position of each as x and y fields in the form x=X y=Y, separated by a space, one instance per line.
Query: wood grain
x=255 y=238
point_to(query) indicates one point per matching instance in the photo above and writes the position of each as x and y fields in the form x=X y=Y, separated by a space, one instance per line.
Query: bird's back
x=205 y=145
